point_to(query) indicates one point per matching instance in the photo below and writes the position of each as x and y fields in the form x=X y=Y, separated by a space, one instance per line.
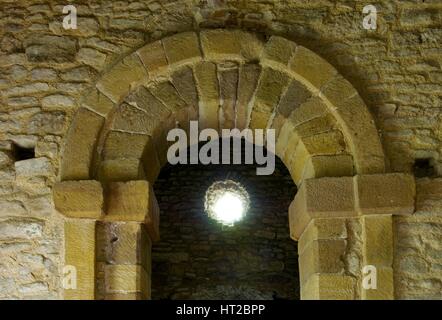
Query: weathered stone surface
x=47 y=48
x=82 y=138
x=248 y=80
x=124 y=145
x=322 y=257
x=323 y=229
x=182 y=48
x=133 y=201
x=124 y=243
x=378 y=232
x=279 y=50
x=310 y=66
x=43 y=74
x=142 y=98
x=125 y=75
x=231 y=45
x=329 y=287
x=208 y=89
x=184 y=82
x=79 y=199
x=228 y=81
x=270 y=89
x=120 y=169
x=27 y=169
x=167 y=94
x=53 y=122
x=130 y=119
x=295 y=96
x=386 y=194
x=80 y=253
x=91 y=57
x=329 y=166
x=98 y=102
x=321 y=198
x=127 y=279
x=153 y=56
x=20 y=229
x=57 y=101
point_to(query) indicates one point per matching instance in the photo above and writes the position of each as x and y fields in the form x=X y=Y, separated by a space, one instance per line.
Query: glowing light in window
x=227 y=202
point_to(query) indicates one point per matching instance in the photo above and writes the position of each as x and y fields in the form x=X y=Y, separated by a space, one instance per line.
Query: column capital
x=81 y=199
x=133 y=201
x=345 y=197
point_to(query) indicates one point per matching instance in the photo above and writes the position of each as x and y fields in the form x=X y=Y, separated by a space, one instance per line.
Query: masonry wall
x=418 y=245
x=44 y=70
x=198 y=258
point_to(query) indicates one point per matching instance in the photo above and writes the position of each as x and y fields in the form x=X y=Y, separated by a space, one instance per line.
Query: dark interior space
x=199 y=258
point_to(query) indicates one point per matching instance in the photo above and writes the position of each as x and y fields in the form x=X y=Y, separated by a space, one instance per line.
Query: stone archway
x=224 y=79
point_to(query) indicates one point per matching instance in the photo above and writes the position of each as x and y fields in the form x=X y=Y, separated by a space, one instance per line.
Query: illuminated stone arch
x=228 y=79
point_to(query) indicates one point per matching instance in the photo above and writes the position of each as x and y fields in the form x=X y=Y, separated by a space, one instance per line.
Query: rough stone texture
x=396 y=69
x=79 y=199
x=418 y=249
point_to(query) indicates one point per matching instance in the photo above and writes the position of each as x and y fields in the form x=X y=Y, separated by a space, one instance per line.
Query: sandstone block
x=125 y=75
x=130 y=119
x=248 y=80
x=378 y=242
x=79 y=199
x=386 y=194
x=153 y=57
x=358 y=125
x=312 y=67
x=208 y=88
x=329 y=287
x=385 y=286
x=124 y=243
x=272 y=85
x=184 y=82
x=123 y=169
x=127 y=279
x=98 y=102
x=296 y=95
x=322 y=256
x=322 y=229
x=182 y=48
x=329 y=166
x=228 y=79
x=167 y=94
x=80 y=254
x=124 y=145
x=81 y=140
x=134 y=201
x=231 y=45
x=321 y=198
x=279 y=50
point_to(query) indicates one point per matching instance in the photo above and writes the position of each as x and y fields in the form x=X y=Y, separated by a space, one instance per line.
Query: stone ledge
x=386 y=193
x=349 y=197
x=79 y=199
x=133 y=201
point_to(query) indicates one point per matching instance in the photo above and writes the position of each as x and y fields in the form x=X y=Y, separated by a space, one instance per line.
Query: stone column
x=82 y=204
x=124 y=241
x=108 y=238
x=344 y=225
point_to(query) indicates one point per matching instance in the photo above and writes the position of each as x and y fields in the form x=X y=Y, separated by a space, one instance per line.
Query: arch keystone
x=231 y=45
